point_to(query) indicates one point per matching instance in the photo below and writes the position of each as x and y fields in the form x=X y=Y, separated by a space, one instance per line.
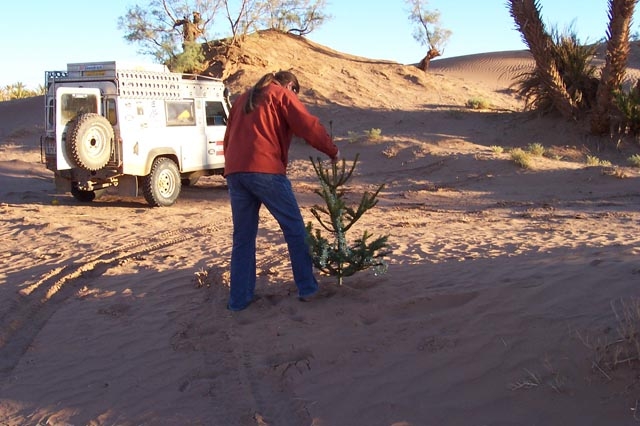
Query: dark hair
x=281 y=77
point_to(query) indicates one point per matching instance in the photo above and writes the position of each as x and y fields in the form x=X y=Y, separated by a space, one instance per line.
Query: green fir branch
x=334 y=256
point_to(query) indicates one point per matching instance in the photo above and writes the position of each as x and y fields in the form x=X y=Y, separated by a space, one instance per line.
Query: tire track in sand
x=35 y=304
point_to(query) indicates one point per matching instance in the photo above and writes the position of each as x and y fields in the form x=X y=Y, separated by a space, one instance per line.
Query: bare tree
x=244 y=18
x=428 y=31
x=618 y=35
x=294 y=16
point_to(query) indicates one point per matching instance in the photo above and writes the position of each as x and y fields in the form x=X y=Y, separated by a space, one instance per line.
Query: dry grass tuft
x=624 y=347
x=213 y=275
x=550 y=377
x=521 y=158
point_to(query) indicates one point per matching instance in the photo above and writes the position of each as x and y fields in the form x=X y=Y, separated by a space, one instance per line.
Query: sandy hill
x=510 y=299
x=330 y=77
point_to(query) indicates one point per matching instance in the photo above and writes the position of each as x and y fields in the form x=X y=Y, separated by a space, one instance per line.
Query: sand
x=504 y=285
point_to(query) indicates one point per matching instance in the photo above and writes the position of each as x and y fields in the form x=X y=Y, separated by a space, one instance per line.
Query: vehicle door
x=71 y=102
x=216 y=124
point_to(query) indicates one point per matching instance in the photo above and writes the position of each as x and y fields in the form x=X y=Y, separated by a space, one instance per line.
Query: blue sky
x=40 y=35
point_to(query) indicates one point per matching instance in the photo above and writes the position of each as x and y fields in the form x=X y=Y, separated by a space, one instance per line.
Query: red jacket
x=259 y=141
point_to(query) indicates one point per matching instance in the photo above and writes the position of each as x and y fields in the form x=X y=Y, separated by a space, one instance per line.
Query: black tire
x=89 y=141
x=162 y=185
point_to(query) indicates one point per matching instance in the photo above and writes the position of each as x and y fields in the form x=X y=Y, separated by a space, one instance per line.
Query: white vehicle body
x=133 y=128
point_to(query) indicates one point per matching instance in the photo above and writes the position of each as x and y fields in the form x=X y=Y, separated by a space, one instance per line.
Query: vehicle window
x=180 y=113
x=111 y=111
x=50 y=111
x=74 y=104
x=215 y=114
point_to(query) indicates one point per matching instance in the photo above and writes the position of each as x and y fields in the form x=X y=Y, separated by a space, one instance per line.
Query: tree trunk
x=620 y=15
x=424 y=63
x=527 y=17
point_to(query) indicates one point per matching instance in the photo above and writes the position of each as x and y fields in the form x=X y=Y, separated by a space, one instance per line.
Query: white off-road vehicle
x=132 y=128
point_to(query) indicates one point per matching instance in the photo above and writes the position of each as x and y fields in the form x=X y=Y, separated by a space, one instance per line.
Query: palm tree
x=18 y=91
x=573 y=62
x=620 y=14
x=526 y=14
x=554 y=82
x=4 y=93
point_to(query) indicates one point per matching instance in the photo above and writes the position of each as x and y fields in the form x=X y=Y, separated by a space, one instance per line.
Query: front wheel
x=162 y=185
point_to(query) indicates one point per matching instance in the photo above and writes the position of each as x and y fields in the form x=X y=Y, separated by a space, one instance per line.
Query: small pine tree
x=337 y=257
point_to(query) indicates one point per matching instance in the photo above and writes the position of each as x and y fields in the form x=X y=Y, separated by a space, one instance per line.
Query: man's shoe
x=309 y=297
x=255 y=298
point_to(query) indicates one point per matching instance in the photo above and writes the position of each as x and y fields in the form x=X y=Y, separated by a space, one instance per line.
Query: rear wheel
x=162 y=185
x=89 y=140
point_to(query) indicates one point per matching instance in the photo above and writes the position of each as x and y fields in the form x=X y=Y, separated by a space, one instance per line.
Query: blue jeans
x=248 y=192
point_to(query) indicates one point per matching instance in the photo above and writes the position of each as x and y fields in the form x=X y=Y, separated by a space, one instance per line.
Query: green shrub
x=592 y=160
x=478 y=103
x=191 y=60
x=521 y=158
x=352 y=136
x=536 y=149
x=373 y=134
x=634 y=160
x=628 y=105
